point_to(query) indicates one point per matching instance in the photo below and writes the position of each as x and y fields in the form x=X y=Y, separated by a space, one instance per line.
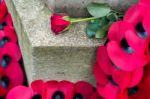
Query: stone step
x=77 y=8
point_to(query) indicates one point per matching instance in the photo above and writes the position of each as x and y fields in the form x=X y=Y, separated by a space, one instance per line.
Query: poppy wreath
x=122 y=64
x=11 y=73
x=54 y=90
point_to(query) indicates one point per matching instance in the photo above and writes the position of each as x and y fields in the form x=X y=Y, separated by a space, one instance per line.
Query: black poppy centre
x=2 y=25
x=78 y=96
x=141 y=31
x=5 y=61
x=3 y=41
x=37 y=96
x=58 y=95
x=4 y=81
x=125 y=46
x=132 y=91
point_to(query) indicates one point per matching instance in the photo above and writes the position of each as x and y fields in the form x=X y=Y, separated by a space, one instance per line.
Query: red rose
x=59 y=23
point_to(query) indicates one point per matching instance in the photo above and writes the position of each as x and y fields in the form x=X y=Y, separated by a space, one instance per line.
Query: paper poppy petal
x=20 y=92
x=3 y=91
x=10 y=33
x=50 y=88
x=147 y=48
x=146 y=23
x=3 y=9
x=123 y=95
x=144 y=2
x=95 y=95
x=145 y=82
x=103 y=60
x=7 y=20
x=12 y=50
x=109 y=91
x=67 y=88
x=141 y=93
x=14 y=71
x=136 y=42
x=134 y=14
x=118 y=29
x=100 y=77
x=122 y=78
x=123 y=60
x=84 y=88
x=37 y=86
x=137 y=75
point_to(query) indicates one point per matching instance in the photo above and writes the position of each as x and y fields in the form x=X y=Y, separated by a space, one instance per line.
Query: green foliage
x=98 y=28
x=92 y=28
x=98 y=10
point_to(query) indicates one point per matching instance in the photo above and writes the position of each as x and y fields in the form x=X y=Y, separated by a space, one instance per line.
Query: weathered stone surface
x=66 y=56
x=77 y=8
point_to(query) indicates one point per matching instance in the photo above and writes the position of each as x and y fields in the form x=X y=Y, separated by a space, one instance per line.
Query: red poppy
x=104 y=61
x=7 y=21
x=125 y=61
x=146 y=23
x=8 y=78
x=123 y=95
x=141 y=91
x=118 y=29
x=59 y=23
x=134 y=14
x=120 y=50
x=22 y=92
x=138 y=43
x=7 y=35
x=55 y=89
x=83 y=90
x=144 y=3
x=123 y=78
x=106 y=86
x=10 y=51
x=3 y=9
x=147 y=48
x=95 y=95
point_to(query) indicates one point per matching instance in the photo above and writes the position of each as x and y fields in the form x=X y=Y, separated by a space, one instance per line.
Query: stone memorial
x=67 y=56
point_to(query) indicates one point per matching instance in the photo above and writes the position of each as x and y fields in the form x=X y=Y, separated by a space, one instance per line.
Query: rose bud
x=59 y=23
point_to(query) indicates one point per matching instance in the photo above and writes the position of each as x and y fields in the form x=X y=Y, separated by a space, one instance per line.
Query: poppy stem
x=75 y=20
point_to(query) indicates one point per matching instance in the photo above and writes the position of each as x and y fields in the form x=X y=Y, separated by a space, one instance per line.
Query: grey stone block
x=77 y=8
x=67 y=56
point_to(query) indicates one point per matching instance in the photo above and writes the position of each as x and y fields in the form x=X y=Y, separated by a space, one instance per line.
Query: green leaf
x=104 y=21
x=98 y=10
x=102 y=32
x=92 y=28
x=112 y=17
